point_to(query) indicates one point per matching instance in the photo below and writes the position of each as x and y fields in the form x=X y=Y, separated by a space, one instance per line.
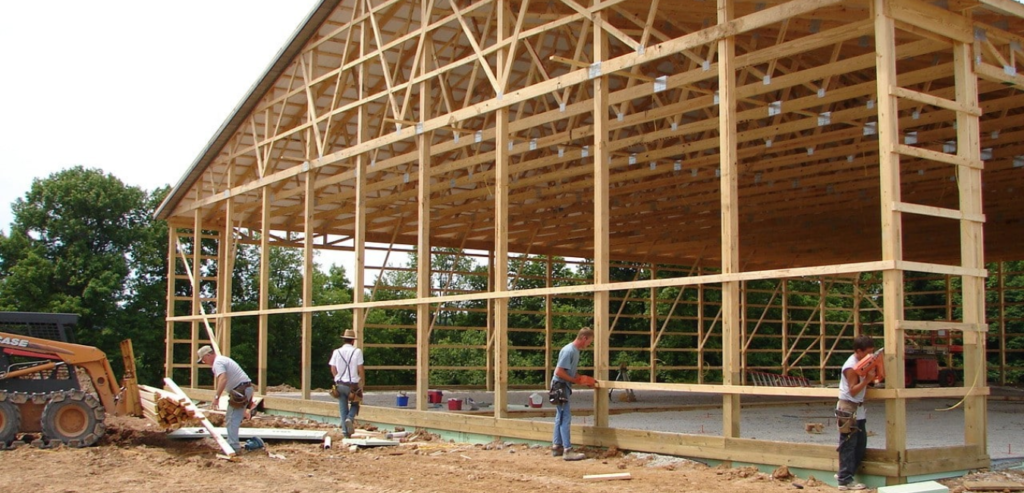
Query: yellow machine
x=41 y=391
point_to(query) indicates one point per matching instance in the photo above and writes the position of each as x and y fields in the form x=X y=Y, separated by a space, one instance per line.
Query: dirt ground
x=137 y=456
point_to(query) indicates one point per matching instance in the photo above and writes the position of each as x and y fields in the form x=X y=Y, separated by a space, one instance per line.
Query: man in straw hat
x=347 y=368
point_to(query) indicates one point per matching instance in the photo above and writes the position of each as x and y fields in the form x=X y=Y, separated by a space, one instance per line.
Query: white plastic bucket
x=536 y=400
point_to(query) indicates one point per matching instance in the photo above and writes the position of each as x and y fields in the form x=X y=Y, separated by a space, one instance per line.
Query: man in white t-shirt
x=853 y=435
x=230 y=378
x=347 y=368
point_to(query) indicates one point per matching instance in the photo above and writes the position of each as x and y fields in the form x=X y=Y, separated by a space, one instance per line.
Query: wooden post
x=359 y=233
x=222 y=255
x=857 y=297
x=602 y=160
x=784 y=289
x=172 y=263
x=972 y=252
x=197 y=299
x=731 y=348
x=264 y=321
x=225 y=281
x=823 y=324
x=652 y=355
x=501 y=192
x=548 y=333
x=423 y=238
x=490 y=378
x=744 y=335
x=309 y=214
x=1002 y=322
x=700 y=334
x=892 y=227
x=950 y=311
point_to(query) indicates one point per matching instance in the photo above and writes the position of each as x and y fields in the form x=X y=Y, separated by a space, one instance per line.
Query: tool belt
x=240 y=396
x=559 y=393
x=846 y=416
x=355 y=393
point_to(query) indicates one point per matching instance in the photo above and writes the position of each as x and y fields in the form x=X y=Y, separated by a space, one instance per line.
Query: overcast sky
x=135 y=88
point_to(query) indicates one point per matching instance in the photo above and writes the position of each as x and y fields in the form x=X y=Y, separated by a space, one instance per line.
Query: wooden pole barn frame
x=714 y=143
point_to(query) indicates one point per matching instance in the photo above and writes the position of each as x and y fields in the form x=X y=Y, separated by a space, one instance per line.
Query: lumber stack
x=224 y=445
x=166 y=408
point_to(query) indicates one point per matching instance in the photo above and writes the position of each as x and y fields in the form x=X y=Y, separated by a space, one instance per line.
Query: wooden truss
x=769 y=140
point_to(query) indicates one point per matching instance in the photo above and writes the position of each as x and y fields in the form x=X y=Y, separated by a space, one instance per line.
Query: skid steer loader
x=41 y=392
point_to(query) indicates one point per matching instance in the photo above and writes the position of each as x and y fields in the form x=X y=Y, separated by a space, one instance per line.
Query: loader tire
x=10 y=422
x=74 y=418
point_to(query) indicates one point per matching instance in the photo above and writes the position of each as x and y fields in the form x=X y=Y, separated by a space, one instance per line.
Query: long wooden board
x=370 y=442
x=608 y=477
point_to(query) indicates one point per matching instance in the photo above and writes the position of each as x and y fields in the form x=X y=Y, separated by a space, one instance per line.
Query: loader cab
x=52 y=326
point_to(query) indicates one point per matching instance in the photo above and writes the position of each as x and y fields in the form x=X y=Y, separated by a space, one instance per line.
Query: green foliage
x=140 y=316
x=284 y=333
x=68 y=240
x=84 y=242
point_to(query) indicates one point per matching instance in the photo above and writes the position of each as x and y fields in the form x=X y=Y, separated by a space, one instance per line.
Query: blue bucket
x=402 y=401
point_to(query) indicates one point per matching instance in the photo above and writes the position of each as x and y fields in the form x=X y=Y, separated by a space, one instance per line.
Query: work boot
x=852 y=486
x=254 y=443
x=349 y=428
x=556 y=451
x=569 y=455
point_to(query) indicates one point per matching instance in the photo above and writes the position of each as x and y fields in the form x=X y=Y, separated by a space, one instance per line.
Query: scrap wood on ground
x=993 y=486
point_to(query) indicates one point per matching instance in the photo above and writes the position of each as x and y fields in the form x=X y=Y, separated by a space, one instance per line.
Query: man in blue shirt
x=565 y=375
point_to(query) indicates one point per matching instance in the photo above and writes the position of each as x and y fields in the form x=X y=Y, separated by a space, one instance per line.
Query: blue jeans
x=563 y=418
x=346 y=410
x=852 y=447
x=233 y=421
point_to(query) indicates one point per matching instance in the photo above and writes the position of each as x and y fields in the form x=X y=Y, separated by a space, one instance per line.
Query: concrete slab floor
x=930 y=422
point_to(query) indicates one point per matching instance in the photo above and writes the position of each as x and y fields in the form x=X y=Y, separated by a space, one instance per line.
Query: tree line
x=84 y=242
